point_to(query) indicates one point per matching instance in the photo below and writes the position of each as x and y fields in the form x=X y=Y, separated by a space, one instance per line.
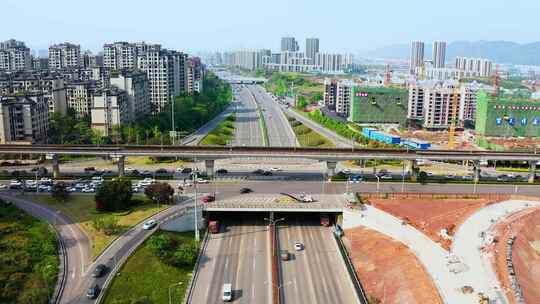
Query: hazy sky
x=347 y=26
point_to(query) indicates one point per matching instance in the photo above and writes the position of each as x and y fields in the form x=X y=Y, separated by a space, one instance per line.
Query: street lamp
x=272 y=221
x=403 y=178
x=196 y=219
x=378 y=182
x=175 y=284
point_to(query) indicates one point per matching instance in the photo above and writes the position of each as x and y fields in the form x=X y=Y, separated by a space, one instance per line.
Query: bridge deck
x=277 y=203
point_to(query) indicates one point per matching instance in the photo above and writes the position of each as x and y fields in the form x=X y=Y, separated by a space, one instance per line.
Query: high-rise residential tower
x=439 y=54
x=312 y=48
x=417 y=56
x=289 y=44
x=65 y=55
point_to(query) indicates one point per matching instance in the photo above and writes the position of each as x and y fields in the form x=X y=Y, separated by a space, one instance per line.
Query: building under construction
x=378 y=105
x=507 y=117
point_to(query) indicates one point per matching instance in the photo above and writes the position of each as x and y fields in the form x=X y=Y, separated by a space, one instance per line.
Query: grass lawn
x=307 y=137
x=81 y=209
x=222 y=134
x=29 y=257
x=145 y=160
x=145 y=277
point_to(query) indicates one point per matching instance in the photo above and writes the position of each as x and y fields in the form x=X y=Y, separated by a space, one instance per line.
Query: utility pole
x=196 y=215
x=172 y=121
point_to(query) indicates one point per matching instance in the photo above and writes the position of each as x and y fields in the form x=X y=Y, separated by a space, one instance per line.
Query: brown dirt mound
x=388 y=270
x=431 y=215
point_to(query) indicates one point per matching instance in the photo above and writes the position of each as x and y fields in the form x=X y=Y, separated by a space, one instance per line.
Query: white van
x=227 y=292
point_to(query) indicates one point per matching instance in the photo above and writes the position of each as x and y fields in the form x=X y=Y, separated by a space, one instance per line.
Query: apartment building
x=90 y=60
x=14 y=56
x=109 y=109
x=195 y=74
x=417 y=56
x=166 y=72
x=64 y=55
x=23 y=119
x=332 y=63
x=79 y=95
x=474 y=67
x=312 y=47
x=330 y=93
x=122 y=55
x=289 y=62
x=289 y=44
x=135 y=84
x=439 y=54
x=344 y=95
x=432 y=102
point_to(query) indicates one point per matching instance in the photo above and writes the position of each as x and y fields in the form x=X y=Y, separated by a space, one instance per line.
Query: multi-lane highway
x=316 y=274
x=280 y=133
x=239 y=255
x=247 y=126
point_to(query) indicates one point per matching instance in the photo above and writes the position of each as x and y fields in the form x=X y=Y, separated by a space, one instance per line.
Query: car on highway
x=450 y=176
x=93 y=292
x=346 y=171
x=429 y=174
x=146 y=172
x=245 y=190
x=258 y=171
x=202 y=181
x=266 y=173
x=222 y=171
x=227 y=292
x=89 y=169
x=149 y=224
x=355 y=179
x=3 y=186
x=208 y=198
x=99 y=271
x=284 y=255
x=466 y=177
x=274 y=169
x=298 y=246
x=386 y=176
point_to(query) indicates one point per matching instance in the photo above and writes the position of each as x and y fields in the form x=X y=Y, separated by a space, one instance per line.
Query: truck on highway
x=213 y=226
x=325 y=219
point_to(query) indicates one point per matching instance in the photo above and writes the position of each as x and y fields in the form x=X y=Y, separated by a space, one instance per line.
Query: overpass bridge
x=330 y=155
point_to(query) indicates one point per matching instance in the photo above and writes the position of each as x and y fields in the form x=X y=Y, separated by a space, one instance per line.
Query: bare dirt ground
x=525 y=257
x=431 y=215
x=388 y=270
x=515 y=143
x=439 y=139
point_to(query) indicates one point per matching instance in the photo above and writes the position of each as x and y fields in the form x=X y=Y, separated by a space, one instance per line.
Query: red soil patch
x=431 y=215
x=388 y=270
x=525 y=256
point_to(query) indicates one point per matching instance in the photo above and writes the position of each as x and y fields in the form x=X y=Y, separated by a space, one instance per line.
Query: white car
x=3 y=186
x=15 y=183
x=88 y=190
x=202 y=181
x=346 y=171
x=386 y=177
x=45 y=180
x=149 y=225
x=466 y=177
x=135 y=189
x=179 y=169
x=298 y=246
x=274 y=169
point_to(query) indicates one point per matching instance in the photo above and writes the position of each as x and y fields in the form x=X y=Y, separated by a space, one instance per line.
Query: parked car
x=89 y=169
x=386 y=176
x=149 y=224
x=274 y=169
x=187 y=170
x=466 y=177
x=93 y=292
x=222 y=171
x=202 y=181
x=99 y=271
x=258 y=171
x=88 y=190
x=45 y=180
x=267 y=173
x=346 y=171
x=161 y=171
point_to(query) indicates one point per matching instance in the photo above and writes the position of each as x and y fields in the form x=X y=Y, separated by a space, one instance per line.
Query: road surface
x=239 y=255
x=280 y=132
x=316 y=274
x=247 y=126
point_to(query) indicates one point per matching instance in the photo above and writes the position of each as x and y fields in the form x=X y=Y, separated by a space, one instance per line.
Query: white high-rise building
x=343 y=97
x=120 y=55
x=417 y=56
x=135 y=84
x=474 y=67
x=312 y=47
x=109 y=108
x=439 y=54
x=14 y=56
x=64 y=55
x=289 y=44
x=24 y=118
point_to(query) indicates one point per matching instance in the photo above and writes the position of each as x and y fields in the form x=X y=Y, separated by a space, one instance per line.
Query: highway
x=239 y=255
x=194 y=138
x=247 y=126
x=316 y=274
x=280 y=132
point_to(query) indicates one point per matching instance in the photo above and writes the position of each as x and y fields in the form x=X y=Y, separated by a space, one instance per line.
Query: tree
x=160 y=193
x=186 y=254
x=114 y=195
x=422 y=177
x=59 y=192
x=107 y=224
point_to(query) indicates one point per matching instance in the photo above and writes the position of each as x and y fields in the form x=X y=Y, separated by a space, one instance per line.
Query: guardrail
x=62 y=274
x=352 y=272
x=189 y=293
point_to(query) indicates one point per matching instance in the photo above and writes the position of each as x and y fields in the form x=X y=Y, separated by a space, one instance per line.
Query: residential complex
x=417 y=56
x=474 y=67
x=439 y=54
x=289 y=44
x=125 y=84
x=312 y=47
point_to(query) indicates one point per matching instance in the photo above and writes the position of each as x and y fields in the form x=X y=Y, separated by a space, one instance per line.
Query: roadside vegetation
x=308 y=88
x=222 y=135
x=307 y=137
x=190 y=113
x=28 y=257
x=165 y=260
x=103 y=227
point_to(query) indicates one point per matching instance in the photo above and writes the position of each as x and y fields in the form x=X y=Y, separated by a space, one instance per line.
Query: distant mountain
x=498 y=51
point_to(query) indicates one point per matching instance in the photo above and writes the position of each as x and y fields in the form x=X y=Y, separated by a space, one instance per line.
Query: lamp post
x=403 y=178
x=196 y=215
x=378 y=182
x=175 y=284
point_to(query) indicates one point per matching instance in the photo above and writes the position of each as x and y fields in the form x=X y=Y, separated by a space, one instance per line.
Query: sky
x=207 y=25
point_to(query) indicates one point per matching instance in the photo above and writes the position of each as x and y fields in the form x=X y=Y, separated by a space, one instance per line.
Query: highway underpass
x=240 y=254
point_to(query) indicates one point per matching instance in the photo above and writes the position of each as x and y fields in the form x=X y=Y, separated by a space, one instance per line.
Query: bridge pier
x=209 y=164
x=55 y=166
x=331 y=168
x=411 y=167
x=120 y=162
x=532 y=172
x=476 y=171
